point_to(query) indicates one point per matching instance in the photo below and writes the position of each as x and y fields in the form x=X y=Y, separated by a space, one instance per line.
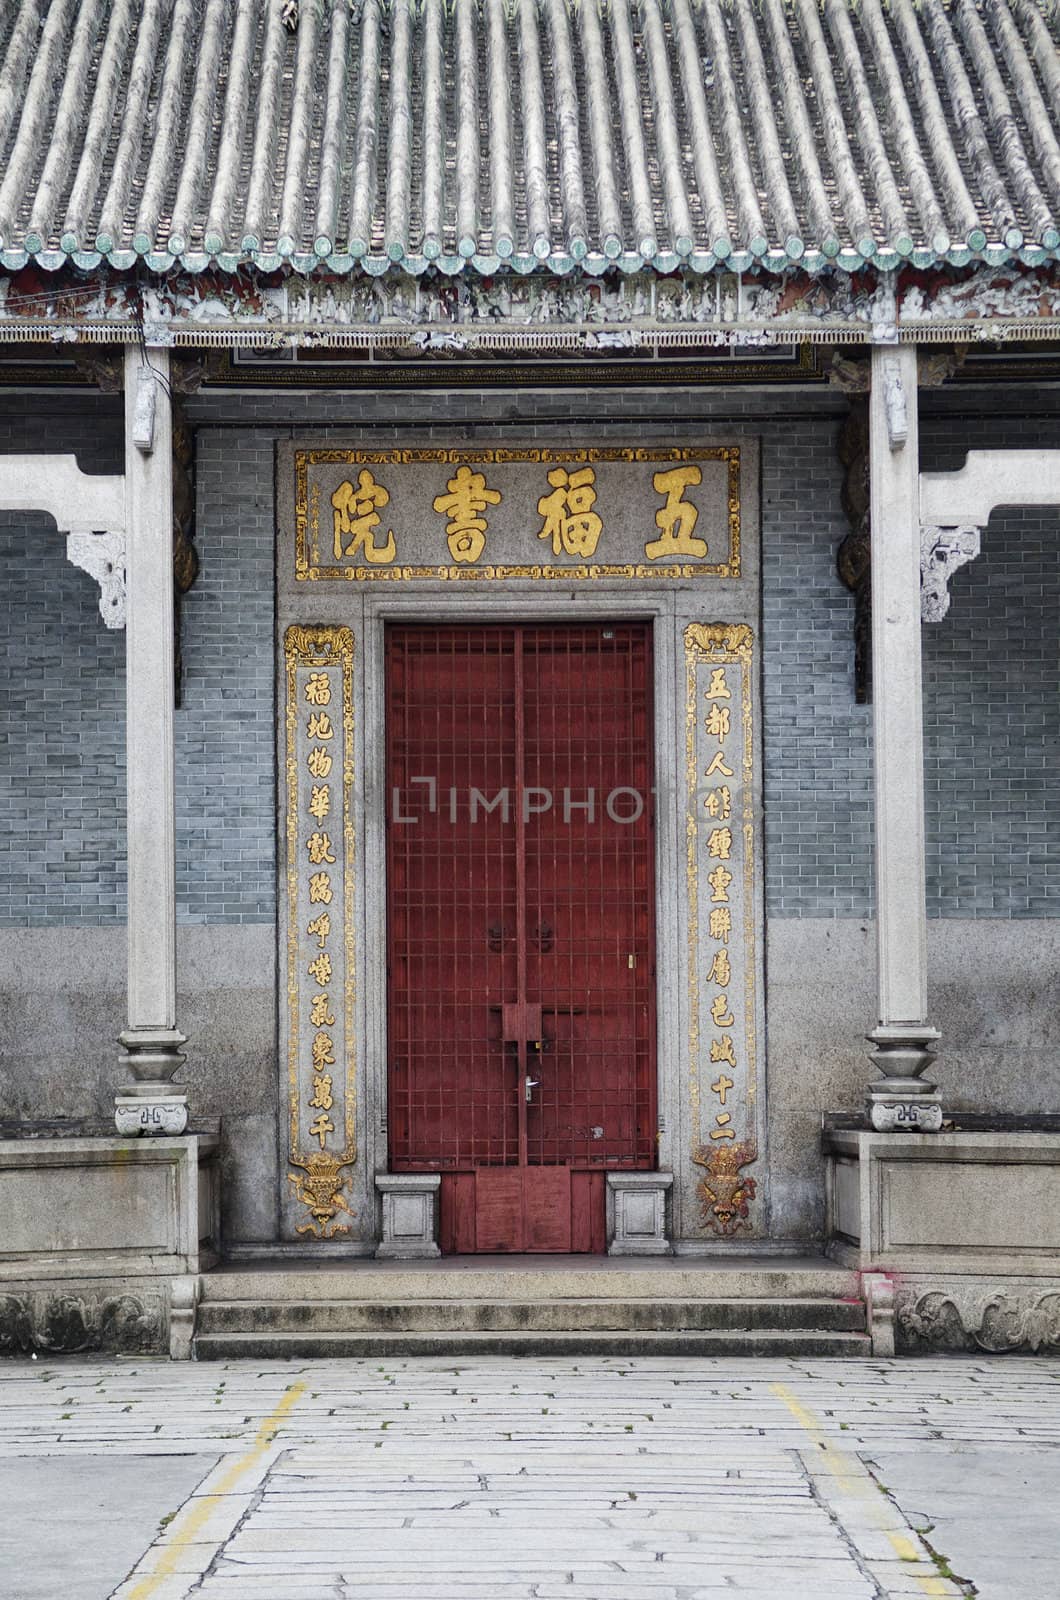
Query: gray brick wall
x=62 y=698
x=818 y=742
x=990 y=668
x=225 y=735
x=991 y=695
x=992 y=707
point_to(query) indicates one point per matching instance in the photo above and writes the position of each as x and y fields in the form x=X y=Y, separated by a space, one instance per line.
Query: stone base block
x=410 y=1215
x=1001 y=1316
x=905 y=1116
x=636 y=1213
x=106 y=1207
x=969 y=1201
x=77 y=1316
x=159 y=1115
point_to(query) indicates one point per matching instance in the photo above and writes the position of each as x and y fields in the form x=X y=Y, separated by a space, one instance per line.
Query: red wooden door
x=520 y=924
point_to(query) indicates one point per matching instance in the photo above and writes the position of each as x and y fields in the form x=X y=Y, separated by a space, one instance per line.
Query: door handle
x=531 y=1085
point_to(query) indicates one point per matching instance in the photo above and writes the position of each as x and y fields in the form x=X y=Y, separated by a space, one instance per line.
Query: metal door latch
x=531 y=1085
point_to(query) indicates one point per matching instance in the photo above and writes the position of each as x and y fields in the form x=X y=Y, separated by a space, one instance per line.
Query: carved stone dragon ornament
x=723 y=1191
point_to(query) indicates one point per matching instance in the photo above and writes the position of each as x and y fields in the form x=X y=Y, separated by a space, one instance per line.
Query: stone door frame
x=670 y=607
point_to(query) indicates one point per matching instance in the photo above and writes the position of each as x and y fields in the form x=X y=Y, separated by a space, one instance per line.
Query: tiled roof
x=466 y=134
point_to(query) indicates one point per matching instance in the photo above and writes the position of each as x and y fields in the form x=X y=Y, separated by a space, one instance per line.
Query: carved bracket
x=55 y=485
x=965 y=499
x=102 y=556
x=942 y=552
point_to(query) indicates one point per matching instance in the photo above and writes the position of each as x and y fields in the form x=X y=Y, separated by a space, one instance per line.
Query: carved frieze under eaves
x=435 y=315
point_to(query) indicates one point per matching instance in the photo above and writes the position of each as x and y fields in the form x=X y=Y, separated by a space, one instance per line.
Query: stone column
x=152 y=1041
x=900 y=1097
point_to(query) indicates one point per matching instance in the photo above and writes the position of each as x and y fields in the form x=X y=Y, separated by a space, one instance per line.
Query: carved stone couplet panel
x=517 y=513
x=320 y=885
x=943 y=551
x=721 y=864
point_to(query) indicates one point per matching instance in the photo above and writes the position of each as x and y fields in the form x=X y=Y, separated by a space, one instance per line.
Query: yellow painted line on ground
x=198 y=1510
x=857 y=1483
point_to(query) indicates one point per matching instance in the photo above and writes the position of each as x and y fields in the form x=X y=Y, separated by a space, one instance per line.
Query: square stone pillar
x=149 y=1103
x=899 y=1098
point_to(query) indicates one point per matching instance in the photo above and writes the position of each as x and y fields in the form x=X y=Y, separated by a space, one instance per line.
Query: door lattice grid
x=520 y=897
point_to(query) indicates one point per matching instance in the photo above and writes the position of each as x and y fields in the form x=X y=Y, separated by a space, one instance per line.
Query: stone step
x=779 y=1342
x=535 y=1278
x=598 y=1314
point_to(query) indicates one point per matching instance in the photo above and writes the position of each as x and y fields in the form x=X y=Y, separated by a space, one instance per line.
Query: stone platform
x=102 y=1239
x=961 y=1228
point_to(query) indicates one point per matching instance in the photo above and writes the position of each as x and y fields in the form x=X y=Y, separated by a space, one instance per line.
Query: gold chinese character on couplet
x=722 y=1050
x=720 y=969
x=319 y=761
x=322 y=1097
x=719 y=803
x=320 y=891
x=318 y=689
x=719 y=844
x=319 y=849
x=718 y=722
x=467 y=499
x=320 y=969
x=719 y=881
x=718 y=765
x=569 y=519
x=357 y=517
x=676 y=520
x=720 y=1014
x=321 y=1128
x=320 y=1014
x=323 y=1050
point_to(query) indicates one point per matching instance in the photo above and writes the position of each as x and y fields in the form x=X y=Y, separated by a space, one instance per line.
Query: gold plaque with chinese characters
x=721 y=863
x=529 y=513
x=320 y=969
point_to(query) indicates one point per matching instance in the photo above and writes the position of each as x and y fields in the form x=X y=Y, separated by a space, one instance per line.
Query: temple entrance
x=520 y=870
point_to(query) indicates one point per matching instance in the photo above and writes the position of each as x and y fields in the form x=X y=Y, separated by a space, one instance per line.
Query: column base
x=922 y=1114
x=150 y=1103
x=154 y=1112
x=901 y=1100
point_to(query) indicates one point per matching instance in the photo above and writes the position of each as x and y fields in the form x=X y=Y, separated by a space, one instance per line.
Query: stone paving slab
x=519 y=1479
x=84 y=1521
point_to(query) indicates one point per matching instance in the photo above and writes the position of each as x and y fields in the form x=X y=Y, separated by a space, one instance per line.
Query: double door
x=521 y=974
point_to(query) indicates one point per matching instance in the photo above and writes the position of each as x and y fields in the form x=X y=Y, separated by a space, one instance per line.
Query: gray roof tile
x=471 y=133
